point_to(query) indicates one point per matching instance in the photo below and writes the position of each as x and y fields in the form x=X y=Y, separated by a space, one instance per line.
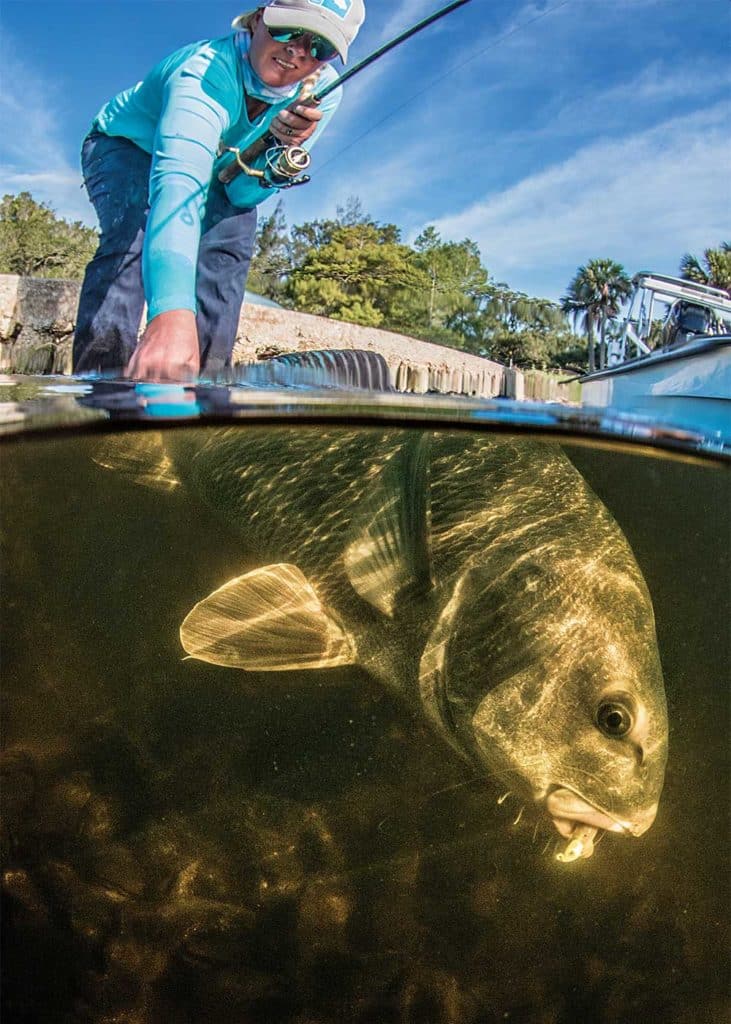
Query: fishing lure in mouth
x=580 y=844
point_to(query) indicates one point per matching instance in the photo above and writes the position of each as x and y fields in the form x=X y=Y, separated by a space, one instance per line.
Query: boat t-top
x=672 y=357
x=685 y=310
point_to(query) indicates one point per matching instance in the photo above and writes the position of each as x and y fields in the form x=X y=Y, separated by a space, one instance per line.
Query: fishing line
x=449 y=789
x=440 y=78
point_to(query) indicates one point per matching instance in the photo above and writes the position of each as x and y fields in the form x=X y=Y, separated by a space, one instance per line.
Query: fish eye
x=615 y=717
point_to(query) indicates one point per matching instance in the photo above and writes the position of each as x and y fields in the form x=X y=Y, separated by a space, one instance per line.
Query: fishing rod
x=284 y=166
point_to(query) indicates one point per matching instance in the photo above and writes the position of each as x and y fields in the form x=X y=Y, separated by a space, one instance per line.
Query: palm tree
x=576 y=303
x=593 y=297
x=715 y=270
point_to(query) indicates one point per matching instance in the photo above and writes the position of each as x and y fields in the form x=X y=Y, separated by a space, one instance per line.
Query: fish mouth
x=568 y=809
x=579 y=821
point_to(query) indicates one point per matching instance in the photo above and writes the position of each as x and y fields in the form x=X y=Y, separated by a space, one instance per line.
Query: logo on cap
x=338 y=7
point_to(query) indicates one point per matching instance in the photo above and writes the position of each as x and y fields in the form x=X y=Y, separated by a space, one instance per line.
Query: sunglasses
x=320 y=49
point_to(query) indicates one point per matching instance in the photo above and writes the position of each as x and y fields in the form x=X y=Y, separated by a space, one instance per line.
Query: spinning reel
x=284 y=167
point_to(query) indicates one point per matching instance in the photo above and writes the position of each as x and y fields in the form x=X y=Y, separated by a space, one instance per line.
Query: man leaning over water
x=171 y=233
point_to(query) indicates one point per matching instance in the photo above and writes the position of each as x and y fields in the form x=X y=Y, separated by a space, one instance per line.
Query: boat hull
x=690 y=387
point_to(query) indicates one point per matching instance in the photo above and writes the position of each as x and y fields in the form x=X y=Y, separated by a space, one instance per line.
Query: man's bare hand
x=293 y=126
x=168 y=350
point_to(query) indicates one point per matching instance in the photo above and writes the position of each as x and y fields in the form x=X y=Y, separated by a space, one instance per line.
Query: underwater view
x=372 y=724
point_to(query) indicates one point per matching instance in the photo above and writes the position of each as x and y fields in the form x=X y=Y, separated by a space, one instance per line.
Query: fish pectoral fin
x=389 y=553
x=268 y=620
x=139 y=456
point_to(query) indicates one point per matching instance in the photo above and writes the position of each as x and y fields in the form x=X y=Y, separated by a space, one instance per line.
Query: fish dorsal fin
x=342 y=368
x=389 y=553
x=140 y=456
x=268 y=620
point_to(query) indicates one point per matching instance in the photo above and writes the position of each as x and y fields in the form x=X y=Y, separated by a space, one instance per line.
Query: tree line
x=354 y=269
x=36 y=243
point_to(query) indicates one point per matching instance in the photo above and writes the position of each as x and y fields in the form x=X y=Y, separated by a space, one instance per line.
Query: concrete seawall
x=37 y=317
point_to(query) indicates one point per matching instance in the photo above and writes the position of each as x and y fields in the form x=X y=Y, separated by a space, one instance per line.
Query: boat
x=672 y=358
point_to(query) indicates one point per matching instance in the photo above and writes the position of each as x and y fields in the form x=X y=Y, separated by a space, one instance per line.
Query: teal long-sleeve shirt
x=186 y=106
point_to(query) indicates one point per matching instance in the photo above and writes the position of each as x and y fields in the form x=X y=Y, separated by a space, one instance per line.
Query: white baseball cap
x=337 y=21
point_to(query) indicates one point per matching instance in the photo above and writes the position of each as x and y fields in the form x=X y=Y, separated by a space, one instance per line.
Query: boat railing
x=651 y=293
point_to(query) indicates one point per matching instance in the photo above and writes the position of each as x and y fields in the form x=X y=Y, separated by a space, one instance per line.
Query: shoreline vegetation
x=355 y=270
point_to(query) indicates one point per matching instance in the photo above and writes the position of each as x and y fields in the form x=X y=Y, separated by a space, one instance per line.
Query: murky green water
x=185 y=842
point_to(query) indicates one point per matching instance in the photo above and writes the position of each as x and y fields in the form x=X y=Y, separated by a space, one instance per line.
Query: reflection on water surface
x=421 y=665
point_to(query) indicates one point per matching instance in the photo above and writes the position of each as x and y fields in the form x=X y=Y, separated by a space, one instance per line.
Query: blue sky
x=548 y=132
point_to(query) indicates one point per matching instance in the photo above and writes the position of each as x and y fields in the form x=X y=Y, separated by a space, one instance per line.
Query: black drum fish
x=477 y=576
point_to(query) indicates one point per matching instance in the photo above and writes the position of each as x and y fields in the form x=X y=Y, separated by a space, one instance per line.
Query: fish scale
x=285 y=475
x=478 y=577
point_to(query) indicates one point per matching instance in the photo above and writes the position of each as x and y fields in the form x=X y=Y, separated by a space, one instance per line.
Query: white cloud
x=363 y=87
x=643 y=200
x=408 y=13
x=655 y=87
x=369 y=92
x=32 y=144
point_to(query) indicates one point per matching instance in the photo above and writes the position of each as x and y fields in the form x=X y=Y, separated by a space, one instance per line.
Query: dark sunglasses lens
x=320 y=49
x=286 y=35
